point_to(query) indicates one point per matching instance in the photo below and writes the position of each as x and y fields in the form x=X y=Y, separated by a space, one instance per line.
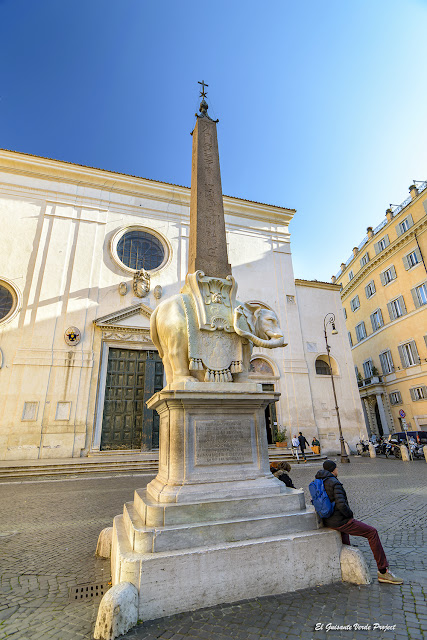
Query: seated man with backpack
x=330 y=501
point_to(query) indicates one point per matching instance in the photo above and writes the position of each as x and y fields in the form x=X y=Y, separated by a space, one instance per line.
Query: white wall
x=57 y=222
x=315 y=301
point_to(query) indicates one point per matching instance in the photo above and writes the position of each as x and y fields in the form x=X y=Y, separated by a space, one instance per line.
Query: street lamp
x=330 y=319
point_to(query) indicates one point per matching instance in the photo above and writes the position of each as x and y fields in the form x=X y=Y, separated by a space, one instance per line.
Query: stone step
x=145 y=539
x=107 y=462
x=154 y=514
x=72 y=469
x=129 y=453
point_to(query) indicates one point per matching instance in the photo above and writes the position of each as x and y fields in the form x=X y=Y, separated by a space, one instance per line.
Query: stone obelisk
x=208 y=245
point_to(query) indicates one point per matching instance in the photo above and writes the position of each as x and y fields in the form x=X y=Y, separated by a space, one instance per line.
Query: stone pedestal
x=212 y=442
x=215 y=526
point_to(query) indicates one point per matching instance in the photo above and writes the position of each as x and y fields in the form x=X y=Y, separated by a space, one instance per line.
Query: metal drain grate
x=89 y=590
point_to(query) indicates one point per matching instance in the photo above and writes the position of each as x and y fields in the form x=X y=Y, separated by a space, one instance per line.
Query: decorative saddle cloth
x=217 y=351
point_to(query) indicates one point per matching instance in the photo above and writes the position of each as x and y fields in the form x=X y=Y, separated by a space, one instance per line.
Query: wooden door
x=132 y=377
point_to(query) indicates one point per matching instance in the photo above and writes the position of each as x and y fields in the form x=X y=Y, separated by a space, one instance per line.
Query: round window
x=139 y=249
x=9 y=301
x=6 y=302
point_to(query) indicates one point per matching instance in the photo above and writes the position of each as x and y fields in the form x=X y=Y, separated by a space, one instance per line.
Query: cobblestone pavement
x=49 y=529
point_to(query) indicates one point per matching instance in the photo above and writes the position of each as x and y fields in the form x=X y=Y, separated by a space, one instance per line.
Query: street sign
x=402 y=413
x=404 y=424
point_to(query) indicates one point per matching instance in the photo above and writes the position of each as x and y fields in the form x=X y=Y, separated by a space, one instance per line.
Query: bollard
x=372 y=451
x=425 y=451
x=404 y=452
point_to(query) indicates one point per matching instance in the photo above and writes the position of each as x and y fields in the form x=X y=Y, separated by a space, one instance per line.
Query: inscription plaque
x=222 y=442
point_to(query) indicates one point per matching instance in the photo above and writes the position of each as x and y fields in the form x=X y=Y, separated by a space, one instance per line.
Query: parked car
x=419 y=436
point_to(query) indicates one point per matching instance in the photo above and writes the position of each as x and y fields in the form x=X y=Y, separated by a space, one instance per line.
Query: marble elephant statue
x=256 y=326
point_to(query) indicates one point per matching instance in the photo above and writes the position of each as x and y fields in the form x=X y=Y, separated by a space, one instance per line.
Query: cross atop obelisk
x=208 y=245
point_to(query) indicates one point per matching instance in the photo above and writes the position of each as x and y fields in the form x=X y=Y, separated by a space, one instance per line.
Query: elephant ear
x=251 y=314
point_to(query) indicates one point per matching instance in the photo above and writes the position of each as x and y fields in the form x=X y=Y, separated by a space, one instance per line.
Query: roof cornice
x=48 y=169
x=315 y=284
x=402 y=213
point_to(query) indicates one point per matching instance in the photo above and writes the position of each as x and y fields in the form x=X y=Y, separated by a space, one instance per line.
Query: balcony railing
x=366 y=382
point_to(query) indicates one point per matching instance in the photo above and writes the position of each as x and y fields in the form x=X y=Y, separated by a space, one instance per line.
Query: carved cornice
x=112 y=319
x=383 y=256
x=316 y=284
x=125 y=334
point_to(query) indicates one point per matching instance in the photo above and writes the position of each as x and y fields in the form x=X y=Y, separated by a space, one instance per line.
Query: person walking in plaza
x=302 y=444
x=342 y=520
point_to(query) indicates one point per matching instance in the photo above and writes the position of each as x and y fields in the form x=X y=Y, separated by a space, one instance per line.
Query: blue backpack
x=320 y=499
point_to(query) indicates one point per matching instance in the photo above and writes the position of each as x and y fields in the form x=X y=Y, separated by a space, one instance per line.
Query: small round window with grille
x=9 y=301
x=138 y=248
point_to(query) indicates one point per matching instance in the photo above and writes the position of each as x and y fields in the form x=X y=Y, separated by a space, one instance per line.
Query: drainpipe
x=421 y=253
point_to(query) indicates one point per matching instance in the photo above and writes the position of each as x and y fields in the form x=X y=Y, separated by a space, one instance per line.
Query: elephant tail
x=153 y=332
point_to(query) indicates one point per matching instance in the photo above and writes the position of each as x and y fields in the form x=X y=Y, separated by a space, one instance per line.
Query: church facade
x=86 y=256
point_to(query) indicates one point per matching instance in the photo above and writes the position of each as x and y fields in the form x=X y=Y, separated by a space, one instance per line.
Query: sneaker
x=389 y=577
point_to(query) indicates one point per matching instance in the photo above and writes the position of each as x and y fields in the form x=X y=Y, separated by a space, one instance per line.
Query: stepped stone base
x=215 y=526
x=171 y=582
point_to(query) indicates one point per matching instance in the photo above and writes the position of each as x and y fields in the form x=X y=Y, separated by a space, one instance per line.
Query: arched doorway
x=263 y=371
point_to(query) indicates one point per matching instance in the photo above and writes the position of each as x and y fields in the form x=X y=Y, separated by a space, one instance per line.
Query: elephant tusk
x=267 y=344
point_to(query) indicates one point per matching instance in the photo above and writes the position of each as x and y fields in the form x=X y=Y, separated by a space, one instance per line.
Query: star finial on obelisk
x=203 y=93
x=208 y=244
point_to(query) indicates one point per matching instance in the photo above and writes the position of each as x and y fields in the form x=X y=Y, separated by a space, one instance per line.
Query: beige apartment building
x=384 y=295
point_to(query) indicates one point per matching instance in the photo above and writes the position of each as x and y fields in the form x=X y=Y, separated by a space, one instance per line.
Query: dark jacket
x=283 y=476
x=336 y=493
x=302 y=442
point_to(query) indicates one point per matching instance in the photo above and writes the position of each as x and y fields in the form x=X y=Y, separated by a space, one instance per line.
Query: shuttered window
x=412 y=259
x=381 y=244
x=350 y=339
x=395 y=397
x=419 y=295
x=418 y=393
x=408 y=353
x=388 y=275
x=404 y=225
x=370 y=289
x=360 y=331
x=355 y=303
x=367 y=368
x=377 y=320
x=386 y=362
x=364 y=259
x=350 y=275
x=396 y=308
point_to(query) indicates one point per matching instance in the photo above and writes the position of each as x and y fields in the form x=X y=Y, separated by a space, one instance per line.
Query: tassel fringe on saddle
x=222 y=375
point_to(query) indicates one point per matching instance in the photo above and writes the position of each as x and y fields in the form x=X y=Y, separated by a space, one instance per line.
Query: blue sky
x=322 y=105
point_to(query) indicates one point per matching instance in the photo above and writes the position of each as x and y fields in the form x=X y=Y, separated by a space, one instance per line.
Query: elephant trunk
x=258 y=342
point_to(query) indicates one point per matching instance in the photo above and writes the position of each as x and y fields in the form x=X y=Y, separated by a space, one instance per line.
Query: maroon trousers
x=357 y=528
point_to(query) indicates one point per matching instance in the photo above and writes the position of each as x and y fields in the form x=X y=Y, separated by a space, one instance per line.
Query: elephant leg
x=178 y=357
x=247 y=348
x=168 y=370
